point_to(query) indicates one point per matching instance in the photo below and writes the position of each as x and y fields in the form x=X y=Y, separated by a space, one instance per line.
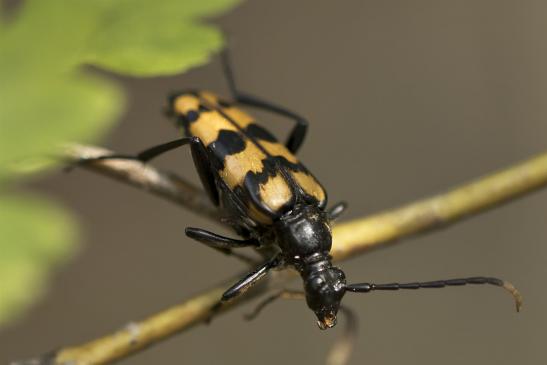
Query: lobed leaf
x=35 y=234
x=48 y=97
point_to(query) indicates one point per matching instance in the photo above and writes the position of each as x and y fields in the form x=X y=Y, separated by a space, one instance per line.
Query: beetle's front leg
x=244 y=284
x=250 y=279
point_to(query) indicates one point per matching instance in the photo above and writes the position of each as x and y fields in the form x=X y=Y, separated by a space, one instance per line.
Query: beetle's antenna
x=368 y=287
x=228 y=71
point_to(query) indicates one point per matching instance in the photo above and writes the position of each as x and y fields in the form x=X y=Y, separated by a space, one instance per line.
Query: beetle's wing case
x=265 y=178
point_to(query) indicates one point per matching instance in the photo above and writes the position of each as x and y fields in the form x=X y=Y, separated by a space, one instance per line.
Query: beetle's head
x=324 y=291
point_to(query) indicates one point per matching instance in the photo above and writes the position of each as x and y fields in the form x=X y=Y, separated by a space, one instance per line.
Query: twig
x=350 y=239
x=438 y=211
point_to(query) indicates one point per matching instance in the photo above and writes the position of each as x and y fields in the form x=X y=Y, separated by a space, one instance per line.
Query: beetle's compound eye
x=317 y=282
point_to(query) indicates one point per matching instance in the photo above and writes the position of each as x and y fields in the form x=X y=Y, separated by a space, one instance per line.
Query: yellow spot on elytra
x=209 y=97
x=236 y=166
x=277 y=149
x=275 y=192
x=239 y=116
x=184 y=103
x=309 y=185
x=209 y=125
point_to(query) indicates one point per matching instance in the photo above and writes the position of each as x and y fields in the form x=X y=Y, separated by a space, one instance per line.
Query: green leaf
x=34 y=235
x=167 y=38
x=79 y=108
x=45 y=100
x=48 y=97
x=154 y=54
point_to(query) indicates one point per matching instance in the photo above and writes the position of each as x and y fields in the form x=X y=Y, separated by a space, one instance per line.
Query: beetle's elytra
x=250 y=164
x=268 y=197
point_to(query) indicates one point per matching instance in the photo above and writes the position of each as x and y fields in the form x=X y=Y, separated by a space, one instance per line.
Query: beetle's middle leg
x=222 y=243
x=298 y=133
x=336 y=210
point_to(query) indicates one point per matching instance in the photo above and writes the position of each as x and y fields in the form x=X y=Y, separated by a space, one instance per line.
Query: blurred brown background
x=405 y=99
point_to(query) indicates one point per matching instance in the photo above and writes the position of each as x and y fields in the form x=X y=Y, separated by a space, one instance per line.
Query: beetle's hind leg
x=143 y=156
x=298 y=133
x=199 y=155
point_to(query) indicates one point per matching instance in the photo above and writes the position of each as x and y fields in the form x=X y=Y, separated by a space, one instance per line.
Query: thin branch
x=438 y=211
x=350 y=238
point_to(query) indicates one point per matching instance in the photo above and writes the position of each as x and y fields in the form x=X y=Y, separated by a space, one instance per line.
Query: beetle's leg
x=336 y=210
x=199 y=155
x=250 y=279
x=222 y=243
x=283 y=294
x=217 y=241
x=243 y=285
x=298 y=133
x=143 y=156
x=367 y=287
x=205 y=170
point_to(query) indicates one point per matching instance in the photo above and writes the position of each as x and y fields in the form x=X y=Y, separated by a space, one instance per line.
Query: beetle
x=270 y=199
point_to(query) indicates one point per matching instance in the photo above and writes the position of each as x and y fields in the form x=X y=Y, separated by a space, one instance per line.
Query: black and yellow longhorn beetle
x=270 y=199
